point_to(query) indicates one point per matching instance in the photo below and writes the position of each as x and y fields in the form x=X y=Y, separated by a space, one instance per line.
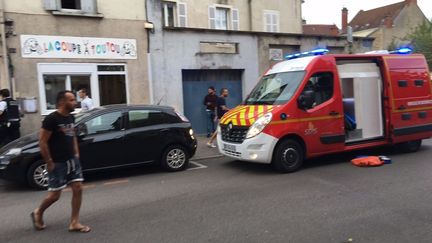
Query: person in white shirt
x=86 y=102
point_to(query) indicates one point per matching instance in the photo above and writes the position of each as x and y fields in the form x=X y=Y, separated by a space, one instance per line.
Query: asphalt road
x=229 y=201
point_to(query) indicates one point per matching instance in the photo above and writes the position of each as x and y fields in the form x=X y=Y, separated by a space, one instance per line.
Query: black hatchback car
x=110 y=137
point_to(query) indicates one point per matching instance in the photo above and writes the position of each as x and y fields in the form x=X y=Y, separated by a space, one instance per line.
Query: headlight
x=259 y=125
x=10 y=154
x=14 y=152
x=191 y=132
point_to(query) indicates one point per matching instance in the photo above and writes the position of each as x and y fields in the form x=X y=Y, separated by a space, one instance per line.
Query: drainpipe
x=250 y=15
x=4 y=82
x=149 y=57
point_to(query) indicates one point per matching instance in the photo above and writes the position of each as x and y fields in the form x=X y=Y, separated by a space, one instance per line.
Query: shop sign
x=44 y=46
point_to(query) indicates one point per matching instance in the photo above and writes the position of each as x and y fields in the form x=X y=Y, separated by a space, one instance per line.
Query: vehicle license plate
x=229 y=147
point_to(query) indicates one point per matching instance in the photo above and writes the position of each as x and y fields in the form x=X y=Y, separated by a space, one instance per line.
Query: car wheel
x=410 y=146
x=37 y=175
x=175 y=158
x=288 y=156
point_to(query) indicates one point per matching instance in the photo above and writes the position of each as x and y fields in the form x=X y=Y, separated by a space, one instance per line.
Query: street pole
x=350 y=39
x=4 y=75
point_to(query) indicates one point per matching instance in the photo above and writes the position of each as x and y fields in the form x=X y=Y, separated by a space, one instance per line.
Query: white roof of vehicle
x=298 y=64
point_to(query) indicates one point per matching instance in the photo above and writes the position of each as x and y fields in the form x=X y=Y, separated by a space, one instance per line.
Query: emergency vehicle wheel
x=288 y=156
x=410 y=146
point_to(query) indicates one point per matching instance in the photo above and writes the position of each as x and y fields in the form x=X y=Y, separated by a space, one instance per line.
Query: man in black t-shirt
x=59 y=149
x=221 y=109
x=210 y=104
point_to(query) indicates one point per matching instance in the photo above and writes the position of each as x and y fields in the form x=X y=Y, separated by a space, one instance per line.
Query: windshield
x=275 y=88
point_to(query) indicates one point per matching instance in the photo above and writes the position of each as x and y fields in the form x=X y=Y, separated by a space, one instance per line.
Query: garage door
x=195 y=85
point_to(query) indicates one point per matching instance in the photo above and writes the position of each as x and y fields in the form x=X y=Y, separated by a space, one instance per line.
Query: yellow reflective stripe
x=242 y=119
x=233 y=113
x=260 y=110
x=251 y=114
x=320 y=118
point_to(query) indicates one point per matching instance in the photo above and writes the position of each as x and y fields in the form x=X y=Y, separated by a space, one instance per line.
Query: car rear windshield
x=274 y=89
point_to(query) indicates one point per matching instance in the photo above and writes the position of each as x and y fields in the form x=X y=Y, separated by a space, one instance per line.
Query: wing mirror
x=81 y=130
x=306 y=100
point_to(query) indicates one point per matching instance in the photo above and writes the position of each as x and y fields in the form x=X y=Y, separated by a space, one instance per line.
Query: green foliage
x=421 y=40
x=393 y=45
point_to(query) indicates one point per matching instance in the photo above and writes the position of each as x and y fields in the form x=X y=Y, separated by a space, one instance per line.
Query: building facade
x=223 y=43
x=388 y=25
x=54 y=45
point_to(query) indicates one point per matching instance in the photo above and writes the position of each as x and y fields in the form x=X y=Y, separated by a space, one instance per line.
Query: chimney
x=344 y=20
x=388 y=22
x=409 y=2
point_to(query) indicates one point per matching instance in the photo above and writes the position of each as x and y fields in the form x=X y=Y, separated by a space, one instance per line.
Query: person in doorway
x=9 y=118
x=210 y=104
x=59 y=148
x=86 y=102
x=221 y=109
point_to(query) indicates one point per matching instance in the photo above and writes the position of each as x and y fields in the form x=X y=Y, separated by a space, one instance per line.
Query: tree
x=421 y=40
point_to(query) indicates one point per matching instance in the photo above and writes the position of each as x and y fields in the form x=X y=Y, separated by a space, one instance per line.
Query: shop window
x=53 y=84
x=112 y=89
x=106 y=83
x=80 y=82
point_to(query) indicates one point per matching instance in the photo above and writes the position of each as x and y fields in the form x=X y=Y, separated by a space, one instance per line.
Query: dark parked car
x=110 y=137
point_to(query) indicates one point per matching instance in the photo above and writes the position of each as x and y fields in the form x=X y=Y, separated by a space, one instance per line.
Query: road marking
x=116 y=182
x=199 y=166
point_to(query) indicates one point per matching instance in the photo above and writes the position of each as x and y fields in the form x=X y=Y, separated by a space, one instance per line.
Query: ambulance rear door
x=410 y=97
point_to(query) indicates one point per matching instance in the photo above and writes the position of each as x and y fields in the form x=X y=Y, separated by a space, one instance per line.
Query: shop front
x=99 y=65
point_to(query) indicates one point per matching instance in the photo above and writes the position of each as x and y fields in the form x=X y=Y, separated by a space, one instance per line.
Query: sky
x=329 y=11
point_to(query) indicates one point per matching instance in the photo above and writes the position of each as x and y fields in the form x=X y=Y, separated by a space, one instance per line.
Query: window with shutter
x=212 y=17
x=221 y=18
x=89 y=6
x=50 y=5
x=271 y=21
x=182 y=14
x=72 y=7
x=235 y=19
x=71 y=4
x=168 y=14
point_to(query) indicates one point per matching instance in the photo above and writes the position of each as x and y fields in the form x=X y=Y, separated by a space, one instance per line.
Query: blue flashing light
x=320 y=51
x=403 y=50
x=316 y=52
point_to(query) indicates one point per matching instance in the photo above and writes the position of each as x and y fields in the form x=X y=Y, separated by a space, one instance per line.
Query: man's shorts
x=64 y=173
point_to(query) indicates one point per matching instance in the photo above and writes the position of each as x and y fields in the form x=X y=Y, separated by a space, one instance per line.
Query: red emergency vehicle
x=321 y=104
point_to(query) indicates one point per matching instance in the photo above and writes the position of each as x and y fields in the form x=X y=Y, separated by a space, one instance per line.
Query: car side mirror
x=306 y=100
x=81 y=130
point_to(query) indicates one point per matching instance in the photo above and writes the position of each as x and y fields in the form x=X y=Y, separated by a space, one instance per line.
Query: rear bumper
x=258 y=149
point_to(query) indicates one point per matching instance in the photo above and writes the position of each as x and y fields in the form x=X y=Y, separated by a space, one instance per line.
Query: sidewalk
x=203 y=151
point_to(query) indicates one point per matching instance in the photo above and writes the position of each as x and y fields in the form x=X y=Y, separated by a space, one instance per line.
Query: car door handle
x=333 y=113
x=164 y=130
